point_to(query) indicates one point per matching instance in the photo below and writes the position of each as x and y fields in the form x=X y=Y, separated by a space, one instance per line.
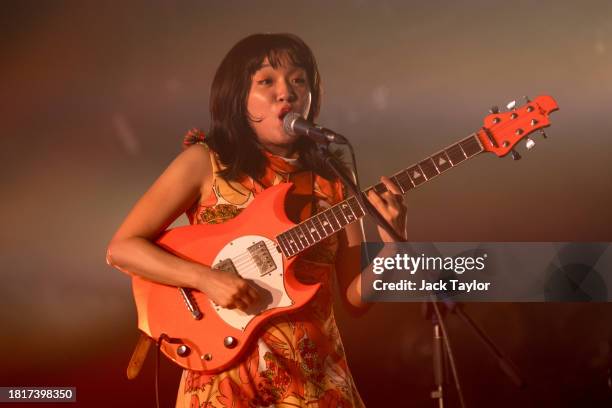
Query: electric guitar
x=199 y=335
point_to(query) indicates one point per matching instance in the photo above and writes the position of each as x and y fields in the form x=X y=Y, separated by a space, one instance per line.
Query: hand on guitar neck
x=390 y=204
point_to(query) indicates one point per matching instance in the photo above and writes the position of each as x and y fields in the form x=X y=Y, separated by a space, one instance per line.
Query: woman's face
x=274 y=93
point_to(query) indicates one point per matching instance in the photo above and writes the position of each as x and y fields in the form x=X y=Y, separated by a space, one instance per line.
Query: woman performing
x=297 y=359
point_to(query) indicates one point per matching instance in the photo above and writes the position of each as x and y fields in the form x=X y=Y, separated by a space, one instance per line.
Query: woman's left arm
x=348 y=260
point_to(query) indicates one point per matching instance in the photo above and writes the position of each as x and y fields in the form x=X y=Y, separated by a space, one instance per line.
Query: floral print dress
x=298 y=359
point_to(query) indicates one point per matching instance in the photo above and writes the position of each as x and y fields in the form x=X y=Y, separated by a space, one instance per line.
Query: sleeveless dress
x=298 y=359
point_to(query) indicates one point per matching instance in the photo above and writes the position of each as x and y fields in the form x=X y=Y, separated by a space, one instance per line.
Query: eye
x=299 y=80
x=264 y=81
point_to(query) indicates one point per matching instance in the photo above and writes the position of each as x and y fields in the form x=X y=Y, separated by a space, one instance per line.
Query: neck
x=288 y=152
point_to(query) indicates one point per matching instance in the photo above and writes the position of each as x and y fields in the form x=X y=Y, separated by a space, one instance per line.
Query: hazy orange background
x=96 y=97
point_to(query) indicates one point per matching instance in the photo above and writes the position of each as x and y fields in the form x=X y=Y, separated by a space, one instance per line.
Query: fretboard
x=333 y=219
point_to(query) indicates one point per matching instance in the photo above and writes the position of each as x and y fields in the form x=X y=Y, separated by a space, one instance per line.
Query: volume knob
x=230 y=342
x=183 y=350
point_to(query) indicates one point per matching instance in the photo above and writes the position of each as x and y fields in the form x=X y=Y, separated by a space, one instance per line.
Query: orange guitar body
x=202 y=344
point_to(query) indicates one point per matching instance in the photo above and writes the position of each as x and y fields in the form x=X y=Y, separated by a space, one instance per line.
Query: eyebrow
x=295 y=67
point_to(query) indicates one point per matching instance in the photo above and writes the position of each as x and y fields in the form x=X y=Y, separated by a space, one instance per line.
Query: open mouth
x=284 y=113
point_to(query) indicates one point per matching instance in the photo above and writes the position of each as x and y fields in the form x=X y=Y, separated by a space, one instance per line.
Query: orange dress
x=298 y=360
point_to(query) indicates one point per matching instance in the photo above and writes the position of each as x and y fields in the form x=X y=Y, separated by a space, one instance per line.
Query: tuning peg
x=529 y=143
x=494 y=109
x=511 y=105
x=515 y=155
x=543 y=134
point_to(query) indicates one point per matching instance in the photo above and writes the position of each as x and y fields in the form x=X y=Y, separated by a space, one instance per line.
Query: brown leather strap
x=143 y=344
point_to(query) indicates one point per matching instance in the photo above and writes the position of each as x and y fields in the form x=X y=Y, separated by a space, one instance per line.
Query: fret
x=455 y=154
x=422 y=173
x=442 y=161
x=477 y=140
x=320 y=226
x=307 y=234
x=291 y=242
x=398 y=184
x=331 y=218
x=301 y=236
x=471 y=146
x=463 y=151
x=378 y=189
x=296 y=239
x=356 y=207
x=282 y=241
x=324 y=223
x=416 y=175
x=341 y=221
x=312 y=228
x=329 y=222
x=434 y=164
x=405 y=182
x=314 y=234
x=347 y=211
x=335 y=209
x=428 y=168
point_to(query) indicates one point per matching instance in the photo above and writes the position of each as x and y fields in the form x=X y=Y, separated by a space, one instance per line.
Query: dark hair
x=230 y=134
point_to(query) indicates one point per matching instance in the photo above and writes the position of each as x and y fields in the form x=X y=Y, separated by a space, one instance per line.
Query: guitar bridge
x=262 y=258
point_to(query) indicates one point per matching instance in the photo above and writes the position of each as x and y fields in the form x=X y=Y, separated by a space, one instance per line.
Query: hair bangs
x=279 y=55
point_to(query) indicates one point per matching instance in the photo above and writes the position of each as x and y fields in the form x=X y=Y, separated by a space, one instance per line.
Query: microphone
x=294 y=124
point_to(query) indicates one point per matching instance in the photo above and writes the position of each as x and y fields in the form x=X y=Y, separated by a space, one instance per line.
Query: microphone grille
x=289 y=121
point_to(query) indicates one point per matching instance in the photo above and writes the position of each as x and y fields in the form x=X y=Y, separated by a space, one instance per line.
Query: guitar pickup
x=262 y=258
x=226 y=265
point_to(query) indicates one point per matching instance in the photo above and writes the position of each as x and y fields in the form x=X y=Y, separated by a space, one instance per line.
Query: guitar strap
x=143 y=344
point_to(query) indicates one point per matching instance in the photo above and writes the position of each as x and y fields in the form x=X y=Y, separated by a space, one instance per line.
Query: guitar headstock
x=502 y=131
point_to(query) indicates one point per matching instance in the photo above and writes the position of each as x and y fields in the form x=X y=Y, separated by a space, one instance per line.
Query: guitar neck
x=333 y=219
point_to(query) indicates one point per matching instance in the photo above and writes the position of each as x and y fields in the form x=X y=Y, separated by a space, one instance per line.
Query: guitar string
x=245 y=260
x=241 y=257
x=246 y=256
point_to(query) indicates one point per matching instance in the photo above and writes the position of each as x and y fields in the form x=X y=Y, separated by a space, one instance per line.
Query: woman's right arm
x=132 y=248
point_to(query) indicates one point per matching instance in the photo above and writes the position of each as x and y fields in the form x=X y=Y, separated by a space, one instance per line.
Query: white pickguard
x=271 y=286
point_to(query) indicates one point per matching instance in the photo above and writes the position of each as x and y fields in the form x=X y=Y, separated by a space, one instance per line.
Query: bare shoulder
x=174 y=191
x=192 y=166
x=196 y=156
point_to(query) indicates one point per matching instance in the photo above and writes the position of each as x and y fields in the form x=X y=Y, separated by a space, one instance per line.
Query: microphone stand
x=442 y=353
x=363 y=202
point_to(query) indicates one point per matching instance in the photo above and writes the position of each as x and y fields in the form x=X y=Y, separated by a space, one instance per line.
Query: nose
x=285 y=92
